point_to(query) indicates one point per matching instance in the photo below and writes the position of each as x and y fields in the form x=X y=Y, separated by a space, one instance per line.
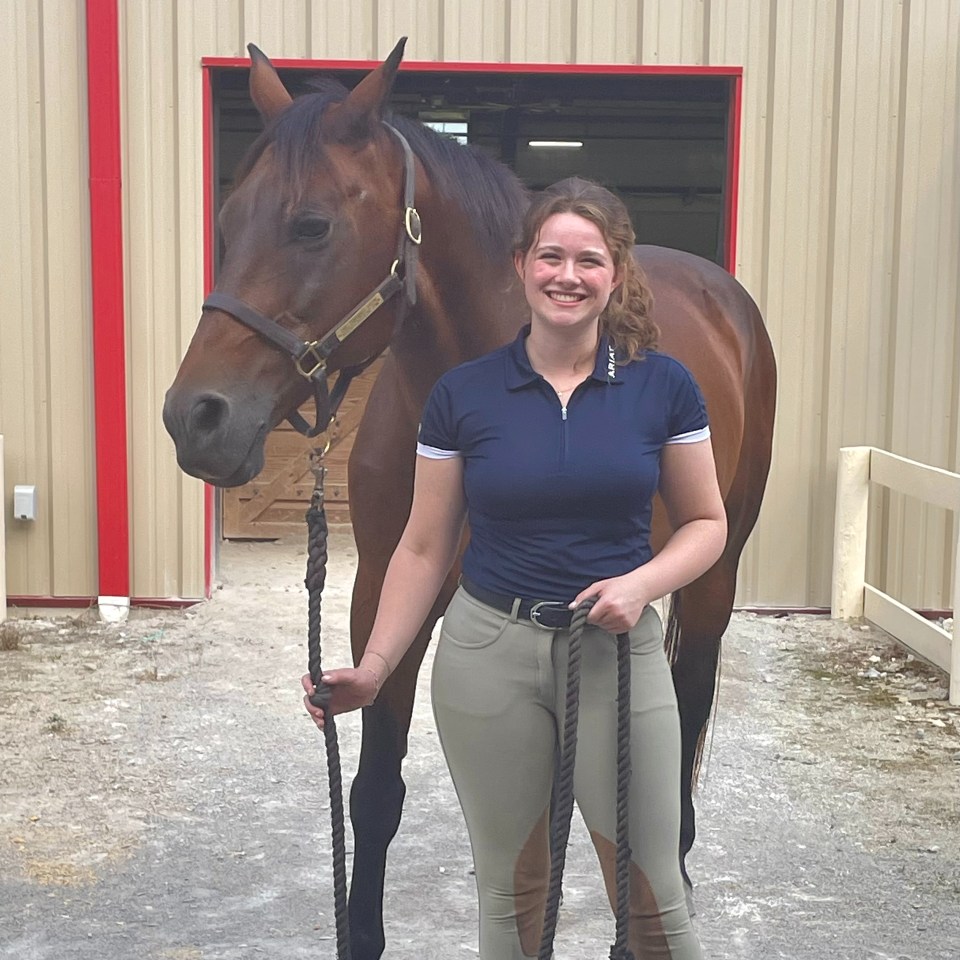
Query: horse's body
x=232 y=387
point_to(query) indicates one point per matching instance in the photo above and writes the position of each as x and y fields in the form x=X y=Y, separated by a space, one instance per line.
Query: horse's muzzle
x=218 y=440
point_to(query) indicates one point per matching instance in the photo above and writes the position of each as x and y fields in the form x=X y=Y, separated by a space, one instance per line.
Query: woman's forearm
x=419 y=564
x=690 y=552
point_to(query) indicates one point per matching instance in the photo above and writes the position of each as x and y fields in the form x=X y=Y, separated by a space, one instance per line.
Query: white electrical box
x=25 y=501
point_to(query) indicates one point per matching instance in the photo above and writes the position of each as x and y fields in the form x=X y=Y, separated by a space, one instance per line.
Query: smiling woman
x=559 y=510
x=568 y=275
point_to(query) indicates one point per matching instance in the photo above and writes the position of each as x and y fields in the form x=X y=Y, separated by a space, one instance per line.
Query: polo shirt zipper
x=563 y=423
x=563 y=435
x=563 y=432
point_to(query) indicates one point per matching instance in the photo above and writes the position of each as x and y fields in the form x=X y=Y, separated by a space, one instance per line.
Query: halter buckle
x=310 y=352
x=411 y=221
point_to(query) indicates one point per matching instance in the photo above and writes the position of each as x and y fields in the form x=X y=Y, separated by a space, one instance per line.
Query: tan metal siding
x=280 y=25
x=846 y=137
x=607 y=32
x=45 y=351
x=848 y=237
x=476 y=31
x=672 y=32
x=796 y=261
x=857 y=344
x=742 y=37
x=924 y=339
x=342 y=29
x=163 y=206
x=540 y=31
x=420 y=20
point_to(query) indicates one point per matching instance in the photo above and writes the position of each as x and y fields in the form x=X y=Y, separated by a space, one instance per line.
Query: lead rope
x=563 y=791
x=563 y=787
x=620 y=950
x=316 y=577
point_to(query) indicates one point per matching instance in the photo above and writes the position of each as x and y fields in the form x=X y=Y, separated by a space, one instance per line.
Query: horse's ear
x=356 y=118
x=266 y=88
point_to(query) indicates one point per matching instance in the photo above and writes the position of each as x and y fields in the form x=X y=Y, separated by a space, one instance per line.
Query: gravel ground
x=162 y=794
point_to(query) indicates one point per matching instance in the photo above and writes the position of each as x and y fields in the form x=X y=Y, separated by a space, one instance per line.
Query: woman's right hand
x=351 y=689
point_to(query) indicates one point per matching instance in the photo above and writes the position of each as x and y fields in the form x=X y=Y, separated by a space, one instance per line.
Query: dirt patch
x=159 y=775
x=97 y=723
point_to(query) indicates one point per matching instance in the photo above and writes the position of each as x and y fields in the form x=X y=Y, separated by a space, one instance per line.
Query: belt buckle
x=535 y=611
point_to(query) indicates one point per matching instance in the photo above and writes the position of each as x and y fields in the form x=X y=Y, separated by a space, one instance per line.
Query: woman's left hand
x=619 y=603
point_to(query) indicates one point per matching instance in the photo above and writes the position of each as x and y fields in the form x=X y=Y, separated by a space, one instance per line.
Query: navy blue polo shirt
x=558 y=497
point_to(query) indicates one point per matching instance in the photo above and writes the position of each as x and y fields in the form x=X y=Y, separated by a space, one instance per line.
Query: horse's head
x=315 y=224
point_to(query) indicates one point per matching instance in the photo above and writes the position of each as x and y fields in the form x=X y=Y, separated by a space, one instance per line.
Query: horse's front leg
x=381 y=488
x=377 y=794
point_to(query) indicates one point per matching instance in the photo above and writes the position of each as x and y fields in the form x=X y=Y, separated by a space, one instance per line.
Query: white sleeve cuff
x=694 y=436
x=435 y=453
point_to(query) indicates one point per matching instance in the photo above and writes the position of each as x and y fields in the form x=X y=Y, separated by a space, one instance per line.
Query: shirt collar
x=520 y=372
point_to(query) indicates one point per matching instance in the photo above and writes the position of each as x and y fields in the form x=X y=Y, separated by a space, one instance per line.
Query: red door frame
x=733 y=74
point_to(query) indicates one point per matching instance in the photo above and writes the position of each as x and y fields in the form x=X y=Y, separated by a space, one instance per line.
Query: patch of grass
x=877 y=695
x=819 y=673
x=9 y=635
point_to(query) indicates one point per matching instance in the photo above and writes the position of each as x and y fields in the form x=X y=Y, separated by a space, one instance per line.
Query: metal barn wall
x=46 y=365
x=848 y=237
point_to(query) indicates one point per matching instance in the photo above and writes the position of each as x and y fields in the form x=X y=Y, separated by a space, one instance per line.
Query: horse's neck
x=467 y=305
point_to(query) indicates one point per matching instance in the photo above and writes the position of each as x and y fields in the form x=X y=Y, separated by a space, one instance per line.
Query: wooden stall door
x=274 y=504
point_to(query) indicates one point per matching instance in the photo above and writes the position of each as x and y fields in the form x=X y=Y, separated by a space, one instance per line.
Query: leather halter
x=310 y=356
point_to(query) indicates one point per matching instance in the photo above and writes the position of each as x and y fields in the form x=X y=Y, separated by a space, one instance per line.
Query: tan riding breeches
x=498 y=695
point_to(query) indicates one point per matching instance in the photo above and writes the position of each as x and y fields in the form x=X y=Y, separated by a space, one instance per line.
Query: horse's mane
x=489 y=193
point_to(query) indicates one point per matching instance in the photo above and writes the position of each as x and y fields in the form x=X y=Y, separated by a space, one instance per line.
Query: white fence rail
x=853 y=597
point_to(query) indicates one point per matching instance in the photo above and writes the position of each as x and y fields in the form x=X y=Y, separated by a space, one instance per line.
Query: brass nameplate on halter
x=361 y=314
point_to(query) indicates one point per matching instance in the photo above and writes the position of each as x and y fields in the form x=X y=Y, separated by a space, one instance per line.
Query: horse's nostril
x=208 y=414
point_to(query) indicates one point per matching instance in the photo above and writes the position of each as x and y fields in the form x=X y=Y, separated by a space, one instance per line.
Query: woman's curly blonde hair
x=626 y=319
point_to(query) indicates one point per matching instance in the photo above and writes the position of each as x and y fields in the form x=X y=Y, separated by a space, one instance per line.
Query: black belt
x=549 y=614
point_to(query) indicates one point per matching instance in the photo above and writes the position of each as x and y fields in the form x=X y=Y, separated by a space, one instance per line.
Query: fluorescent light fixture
x=562 y=144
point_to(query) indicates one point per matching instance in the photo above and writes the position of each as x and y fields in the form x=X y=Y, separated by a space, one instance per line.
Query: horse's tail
x=673 y=637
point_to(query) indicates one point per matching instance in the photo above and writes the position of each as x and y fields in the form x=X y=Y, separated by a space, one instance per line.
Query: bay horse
x=310 y=229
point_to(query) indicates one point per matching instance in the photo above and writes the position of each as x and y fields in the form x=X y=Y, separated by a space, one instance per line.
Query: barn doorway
x=664 y=140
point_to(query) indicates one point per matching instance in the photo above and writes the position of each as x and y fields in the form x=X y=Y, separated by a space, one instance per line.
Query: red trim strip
x=106 y=269
x=164 y=603
x=79 y=603
x=209 y=495
x=733 y=171
x=207 y=63
x=460 y=66
x=83 y=603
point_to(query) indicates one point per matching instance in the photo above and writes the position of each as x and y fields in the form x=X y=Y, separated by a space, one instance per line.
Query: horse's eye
x=311 y=228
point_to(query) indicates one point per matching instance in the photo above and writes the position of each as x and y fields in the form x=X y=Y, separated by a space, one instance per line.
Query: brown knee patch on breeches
x=646 y=936
x=531 y=877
